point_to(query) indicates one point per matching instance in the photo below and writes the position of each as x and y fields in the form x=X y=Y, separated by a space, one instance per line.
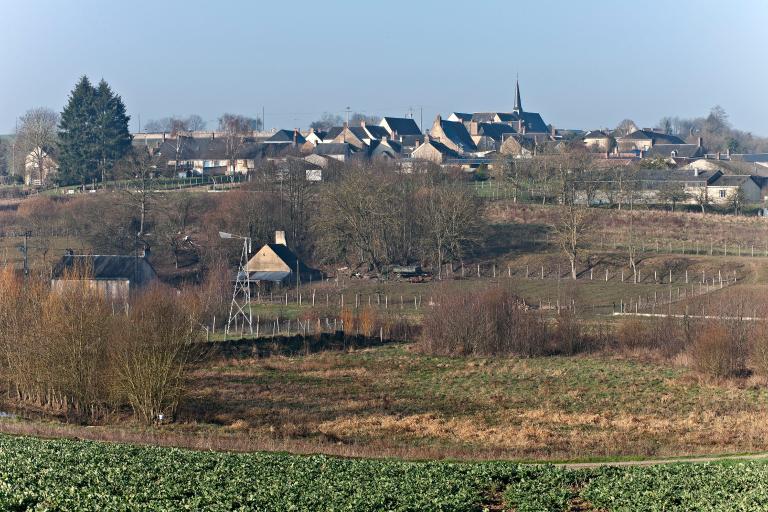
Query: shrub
x=487 y=322
x=713 y=352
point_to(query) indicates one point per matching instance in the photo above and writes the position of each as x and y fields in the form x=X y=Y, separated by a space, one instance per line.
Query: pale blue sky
x=581 y=64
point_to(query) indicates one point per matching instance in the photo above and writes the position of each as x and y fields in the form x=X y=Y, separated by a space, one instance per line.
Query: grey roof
x=132 y=268
x=679 y=150
x=596 y=134
x=411 y=141
x=661 y=138
x=484 y=117
x=286 y=136
x=750 y=157
x=463 y=116
x=675 y=175
x=457 y=133
x=332 y=148
x=291 y=260
x=731 y=180
x=442 y=148
x=496 y=131
x=208 y=149
x=272 y=276
x=402 y=125
x=533 y=121
x=384 y=147
x=333 y=132
x=377 y=132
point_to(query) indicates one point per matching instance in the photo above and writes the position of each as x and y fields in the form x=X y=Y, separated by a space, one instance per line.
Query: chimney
x=280 y=238
x=473 y=127
x=345 y=125
x=163 y=136
x=718 y=155
x=700 y=141
x=552 y=131
x=696 y=172
x=524 y=128
x=728 y=154
x=295 y=136
x=145 y=251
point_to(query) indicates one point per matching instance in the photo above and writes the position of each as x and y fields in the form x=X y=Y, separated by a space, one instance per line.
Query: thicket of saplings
x=71 y=352
x=725 y=336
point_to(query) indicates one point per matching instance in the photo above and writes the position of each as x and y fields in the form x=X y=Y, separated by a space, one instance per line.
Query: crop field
x=87 y=476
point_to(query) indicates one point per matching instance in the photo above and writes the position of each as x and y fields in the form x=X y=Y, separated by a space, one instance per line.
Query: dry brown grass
x=389 y=401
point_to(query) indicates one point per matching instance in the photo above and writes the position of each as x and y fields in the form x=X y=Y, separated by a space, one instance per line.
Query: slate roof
x=484 y=117
x=464 y=117
x=137 y=270
x=402 y=125
x=680 y=150
x=332 y=148
x=379 y=147
x=207 y=149
x=411 y=141
x=596 y=134
x=457 y=133
x=442 y=148
x=661 y=138
x=376 y=132
x=333 y=132
x=495 y=131
x=731 y=180
x=677 y=175
x=286 y=136
x=532 y=120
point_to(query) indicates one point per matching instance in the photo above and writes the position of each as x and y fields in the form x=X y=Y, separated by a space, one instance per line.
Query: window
x=722 y=193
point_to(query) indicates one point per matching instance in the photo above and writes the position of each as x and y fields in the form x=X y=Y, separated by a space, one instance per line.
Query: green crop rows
x=75 y=475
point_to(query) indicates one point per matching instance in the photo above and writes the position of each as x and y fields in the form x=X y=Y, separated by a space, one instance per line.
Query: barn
x=277 y=264
x=114 y=277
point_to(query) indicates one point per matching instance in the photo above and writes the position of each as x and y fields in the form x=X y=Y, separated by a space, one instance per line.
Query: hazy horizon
x=579 y=67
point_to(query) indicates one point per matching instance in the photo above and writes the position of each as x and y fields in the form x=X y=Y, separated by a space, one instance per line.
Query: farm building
x=115 y=277
x=277 y=264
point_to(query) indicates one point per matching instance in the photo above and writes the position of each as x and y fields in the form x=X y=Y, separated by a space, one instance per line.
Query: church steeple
x=518 y=104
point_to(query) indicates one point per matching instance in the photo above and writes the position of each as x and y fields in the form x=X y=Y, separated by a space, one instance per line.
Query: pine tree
x=76 y=135
x=113 y=137
x=93 y=133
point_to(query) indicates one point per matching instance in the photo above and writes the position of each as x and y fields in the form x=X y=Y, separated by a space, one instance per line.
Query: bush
x=714 y=353
x=487 y=322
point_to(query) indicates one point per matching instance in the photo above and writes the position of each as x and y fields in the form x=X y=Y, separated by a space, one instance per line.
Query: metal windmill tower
x=240 y=313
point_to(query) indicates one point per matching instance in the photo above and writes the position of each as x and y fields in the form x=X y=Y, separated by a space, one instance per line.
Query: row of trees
x=70 y=352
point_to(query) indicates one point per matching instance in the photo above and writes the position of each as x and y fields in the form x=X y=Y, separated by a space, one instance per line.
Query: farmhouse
x=434 y=151
x=726 y=187
x=643 y=140
x=277 y=264
x=114 y=277
x=40 y=166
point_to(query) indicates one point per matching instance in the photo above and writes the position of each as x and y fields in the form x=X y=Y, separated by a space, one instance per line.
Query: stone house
x=276 y=264
x=114 y=277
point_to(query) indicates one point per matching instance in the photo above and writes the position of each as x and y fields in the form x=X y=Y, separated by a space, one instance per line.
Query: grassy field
x=80 y=476
x=391 y=401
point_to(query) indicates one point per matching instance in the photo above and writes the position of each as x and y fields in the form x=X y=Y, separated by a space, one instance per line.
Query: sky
x=581 y=65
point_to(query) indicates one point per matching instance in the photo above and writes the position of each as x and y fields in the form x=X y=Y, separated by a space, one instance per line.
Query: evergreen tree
x=76 y=135
x=93 y=133
x=112 y=136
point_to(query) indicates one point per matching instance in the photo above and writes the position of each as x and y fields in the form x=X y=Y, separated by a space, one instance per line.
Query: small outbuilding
x=114 y=277
x=277 y=264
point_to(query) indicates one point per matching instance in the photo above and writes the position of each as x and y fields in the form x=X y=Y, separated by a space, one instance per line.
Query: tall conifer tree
x=93 y=133
x=76 y=135
x=113 y=137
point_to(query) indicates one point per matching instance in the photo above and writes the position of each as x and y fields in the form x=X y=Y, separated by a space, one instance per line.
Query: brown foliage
x=494 y=322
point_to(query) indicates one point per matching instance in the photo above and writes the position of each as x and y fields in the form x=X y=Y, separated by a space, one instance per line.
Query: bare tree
x=35 y=140
x=450 y=221
x=234 y=129
x=702 y=198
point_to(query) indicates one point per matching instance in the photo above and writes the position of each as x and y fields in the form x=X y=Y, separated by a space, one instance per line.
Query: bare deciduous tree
x=35 y=140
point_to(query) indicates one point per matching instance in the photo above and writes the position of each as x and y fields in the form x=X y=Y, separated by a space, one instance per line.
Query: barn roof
x=102 y=267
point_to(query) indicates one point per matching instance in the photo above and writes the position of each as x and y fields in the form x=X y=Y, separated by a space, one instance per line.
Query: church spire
x=518 y=104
